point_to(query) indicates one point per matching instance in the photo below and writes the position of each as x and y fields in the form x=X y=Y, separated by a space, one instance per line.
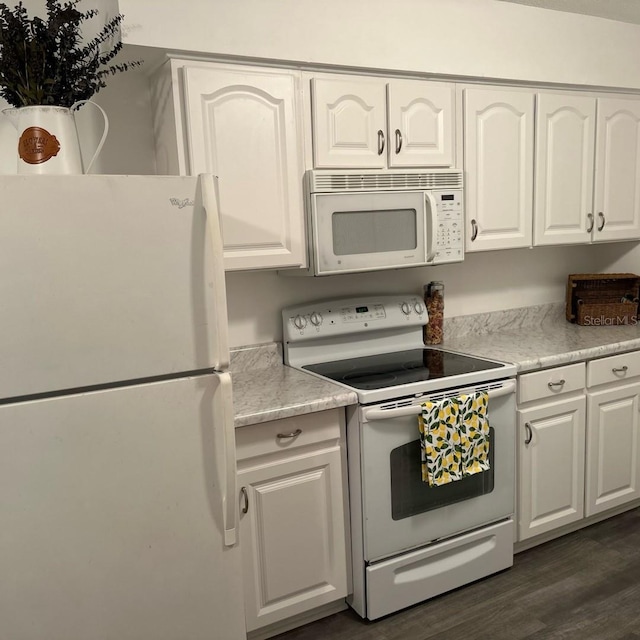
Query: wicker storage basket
x=602 y=299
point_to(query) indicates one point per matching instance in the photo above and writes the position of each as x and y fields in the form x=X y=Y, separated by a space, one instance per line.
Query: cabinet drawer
x=613 y=368
x=551 y=382
x=288 y=433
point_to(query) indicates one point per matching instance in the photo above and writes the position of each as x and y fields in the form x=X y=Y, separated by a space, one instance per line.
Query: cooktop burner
x=400 y=367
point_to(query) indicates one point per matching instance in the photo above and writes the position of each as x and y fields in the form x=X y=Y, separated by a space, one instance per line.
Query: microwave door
x=368 y=231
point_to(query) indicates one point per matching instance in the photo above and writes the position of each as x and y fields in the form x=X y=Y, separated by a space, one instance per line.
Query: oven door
x=401 y=512
x=366 y=231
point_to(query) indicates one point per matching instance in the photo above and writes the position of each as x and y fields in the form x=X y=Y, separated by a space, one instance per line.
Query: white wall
x=485 y=281
x=481 y=38
x=621 y=258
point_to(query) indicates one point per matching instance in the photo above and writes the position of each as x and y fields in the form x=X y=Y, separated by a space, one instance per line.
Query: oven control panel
x=353 y=315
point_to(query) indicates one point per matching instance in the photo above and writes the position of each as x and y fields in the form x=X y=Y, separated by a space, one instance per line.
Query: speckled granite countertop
x=264 y=389
x=531 y=337
x=536 y=337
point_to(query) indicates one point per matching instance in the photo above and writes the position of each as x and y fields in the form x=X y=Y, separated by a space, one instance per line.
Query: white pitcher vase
x=48 y=140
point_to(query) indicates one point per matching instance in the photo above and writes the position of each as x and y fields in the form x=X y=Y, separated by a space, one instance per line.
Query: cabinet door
x=293 y=537
x=499 y=168
x=349 y=123
x=617 y=179
x=242 y=126
x=551 y=459
x=613 y=472
x=565 y=147
x=420 y=123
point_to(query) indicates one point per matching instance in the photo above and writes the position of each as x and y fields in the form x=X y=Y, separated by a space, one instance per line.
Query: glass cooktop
x=398 y=368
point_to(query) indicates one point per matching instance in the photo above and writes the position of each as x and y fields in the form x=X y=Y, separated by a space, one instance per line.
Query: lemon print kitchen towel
x=474 y=433
x=454 y=438
x=440 y=442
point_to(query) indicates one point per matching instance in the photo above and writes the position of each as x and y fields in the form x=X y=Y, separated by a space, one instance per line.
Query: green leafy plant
x=46 y=61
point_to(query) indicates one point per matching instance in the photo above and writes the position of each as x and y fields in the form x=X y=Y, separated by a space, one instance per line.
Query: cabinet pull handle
x=529 y=431
x=622 y=369
x=474 y=230
x=604 y=221
x=293 y=434
x=560 y=383
x=245 y=498
x=591 y=221
x=380 y=141
x=398 y=140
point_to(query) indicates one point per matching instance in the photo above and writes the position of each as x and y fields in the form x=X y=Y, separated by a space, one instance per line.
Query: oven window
x=411 y=496
x=376 y=231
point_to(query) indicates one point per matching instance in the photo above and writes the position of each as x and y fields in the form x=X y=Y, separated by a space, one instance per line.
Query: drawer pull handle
x=590 y=219
x=245 y=498
x=529 y=431
x=293 y=434
x=622 y=369
x=552 y=385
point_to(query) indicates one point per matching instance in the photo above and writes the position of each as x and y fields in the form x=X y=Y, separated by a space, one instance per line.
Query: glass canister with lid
x=434 y=301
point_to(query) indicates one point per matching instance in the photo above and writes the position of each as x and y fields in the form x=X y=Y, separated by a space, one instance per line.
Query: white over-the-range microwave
x=366 y=220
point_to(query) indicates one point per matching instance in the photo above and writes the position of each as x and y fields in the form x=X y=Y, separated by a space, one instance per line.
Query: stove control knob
x=418 y=307
x=299 y=322
x=405 y=308
x=316 y=319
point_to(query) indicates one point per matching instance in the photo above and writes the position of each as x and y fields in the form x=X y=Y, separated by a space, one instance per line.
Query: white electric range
x=410 y=541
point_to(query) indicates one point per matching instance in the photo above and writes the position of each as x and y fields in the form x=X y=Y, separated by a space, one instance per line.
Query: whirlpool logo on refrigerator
x=181 y=203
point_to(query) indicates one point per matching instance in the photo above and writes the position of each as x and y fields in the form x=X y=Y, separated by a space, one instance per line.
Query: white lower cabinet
x=551 y=446
x=578 y=442
x=613 y=439
x=293 y=525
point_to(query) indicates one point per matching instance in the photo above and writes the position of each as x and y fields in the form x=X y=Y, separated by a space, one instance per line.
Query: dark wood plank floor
x=583 y=586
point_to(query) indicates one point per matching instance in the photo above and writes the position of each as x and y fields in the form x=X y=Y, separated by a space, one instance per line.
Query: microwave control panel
x=450 y=224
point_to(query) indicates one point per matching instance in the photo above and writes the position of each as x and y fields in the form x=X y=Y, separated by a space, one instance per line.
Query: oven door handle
x=415 y=409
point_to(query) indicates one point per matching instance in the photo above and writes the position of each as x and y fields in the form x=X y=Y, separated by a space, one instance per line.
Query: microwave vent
x=328 y=181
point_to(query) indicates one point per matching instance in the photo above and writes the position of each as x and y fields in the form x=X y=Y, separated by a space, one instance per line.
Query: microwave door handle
x=416 y=409
x=433 y=225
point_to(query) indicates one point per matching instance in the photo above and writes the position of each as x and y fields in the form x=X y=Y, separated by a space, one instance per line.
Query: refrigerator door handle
x=209 y=186
x=226 y=462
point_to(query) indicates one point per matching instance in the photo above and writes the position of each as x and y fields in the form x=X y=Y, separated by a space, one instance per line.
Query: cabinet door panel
x=617 y=189
x=551 y=491
x=565 y=147
x=613 y=471
x=420 y=123
x=499 y=168
x=242 y=127
x=293 y=537
x=349 y=123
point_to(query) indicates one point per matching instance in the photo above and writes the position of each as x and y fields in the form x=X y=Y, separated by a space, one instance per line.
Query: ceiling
x=622 y=10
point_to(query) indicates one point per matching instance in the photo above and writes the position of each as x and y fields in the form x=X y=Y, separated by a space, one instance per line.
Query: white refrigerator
x=118 y=508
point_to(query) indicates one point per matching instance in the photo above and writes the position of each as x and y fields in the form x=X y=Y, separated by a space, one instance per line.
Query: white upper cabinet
x=498 y=158
x=241 y=124
x=420 y=119
x=617 y=181
x=565 y=148
x=587 y=170
x=374 y=123
x=349 y=123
